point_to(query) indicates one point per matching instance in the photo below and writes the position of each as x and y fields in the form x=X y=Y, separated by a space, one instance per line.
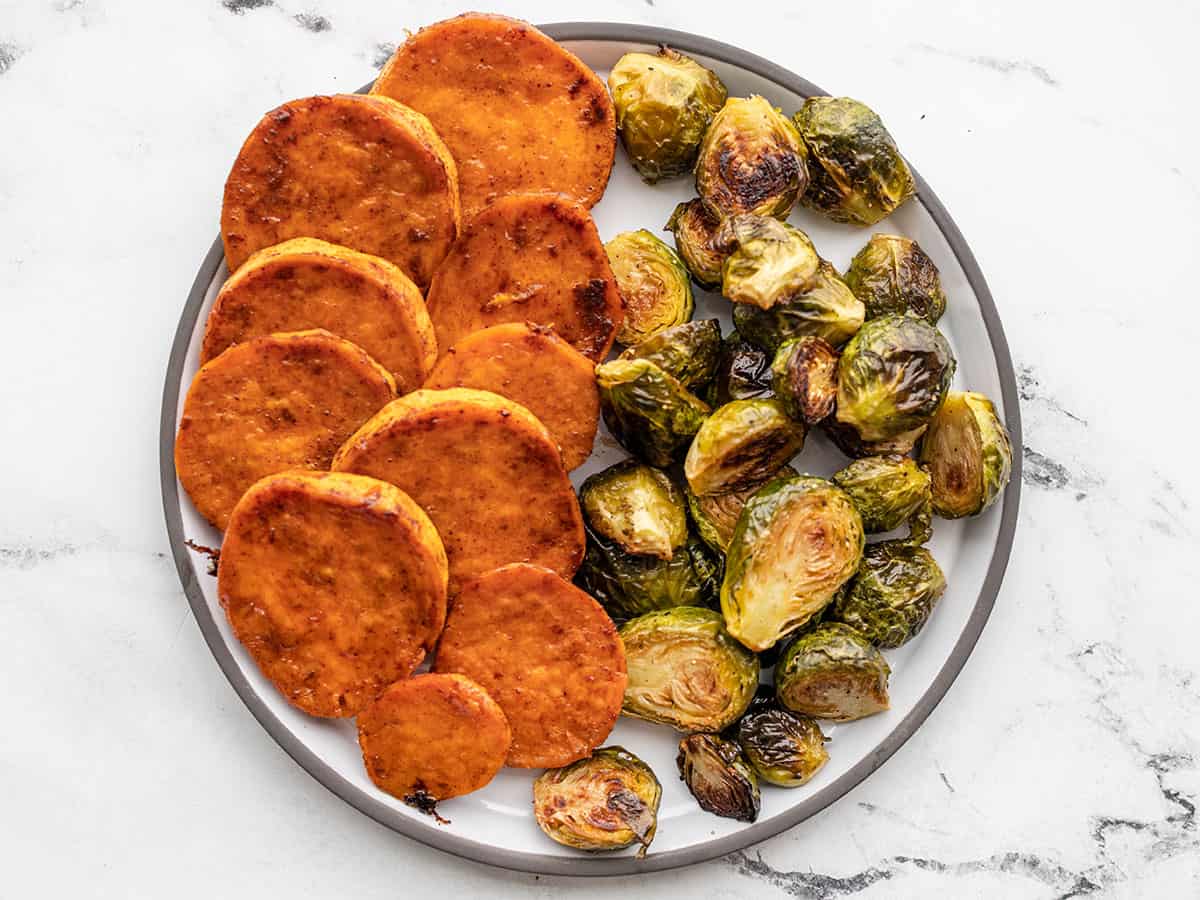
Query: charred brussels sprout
x=891 y=596
x=691 y=352
x=663 y=103
x=847 y=440
x=969 y=455
x=650 y=412
x=743 y=373
x=784 y=748
x=716 y=515
x=804 y=377
x=892 y=274
x=653 y=283
x=751 y=161
x=720 y=779
x=686 y=671
x=826 y=308
x=694 y=227
x=797 y=541
x=628 y=585
x=889 y=491
x=858 y=174
x=832 y=672
x=766 y=261
x=637 y=507
x=892 y=377
x=740 y=444
x=604 y=802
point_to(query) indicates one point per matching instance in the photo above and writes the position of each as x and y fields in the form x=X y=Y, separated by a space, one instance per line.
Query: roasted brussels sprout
x=797 y=541
x=691 y=352
x=720 y=779
x=891 y=596
x=604 y=802
x=694 y=227
x=784 y=748
x=653 y=283
x=767 y=261
x=968 y=453
x=663 y=102
x=686 y=671
x=857 y=174
x=716 y=515
x=826 y=308
x=628 y=585
x=650 y=412
x=804 y=378
x=751 y=161
x=892 y=377
x=847 y=440
x=892 y=274
x=832 y=672
x=889 y=491
x=741 y=444
x=743 y=373
x=636 y=507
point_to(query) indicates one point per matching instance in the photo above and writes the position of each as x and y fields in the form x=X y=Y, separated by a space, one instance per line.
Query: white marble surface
x=1065 y=761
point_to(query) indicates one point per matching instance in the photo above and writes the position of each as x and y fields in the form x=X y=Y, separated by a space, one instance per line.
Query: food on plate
x=637 y=507
x=797 y=541
x=629 y=584
x=308 y=283
x=889 y=600
x=892 y=274
x=743 y=373
x=486 y=471
x=690 y=352
x=546 y=652
x=889 y=491
x=716 y=515
x=694 y=227
x=648 y=411
x=785 y=748
x=534 y=367
x=968 y=453
x=766 y=261
x=719 y=777
x=826 y=308
x=804 y=378
x=832 y=672
x=604 y=802
x=751 y=161
x=741 y=444
x=363 y=172
x=857 y=174
x=846 y=439
x=653 y=282
x=664 y=102
x=282 y=401
x=529 y=258
x=433 y=737
x=335 y=584
x=518 y=111
x=686 y=671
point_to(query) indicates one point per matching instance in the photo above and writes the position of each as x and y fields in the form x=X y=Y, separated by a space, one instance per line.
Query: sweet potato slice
x=535 y=367
x=546 y=652
x=365 y=172
x=335 y=583
x=519 y=112
x=308 y=283
x=282 y=401
x=529 y=258
x=487 y=472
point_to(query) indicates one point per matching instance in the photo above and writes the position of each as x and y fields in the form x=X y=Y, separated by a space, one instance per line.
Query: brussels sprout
x=741 y=444
x=653 y=283
x=969 y=455
x=604 y=802
x=743 y=373
x=797 y=541
x=766 y=262
x=686 y=671
x=892 y=274
x=637 y=507
x=826 y=309
x=751 y=161
x=663 y=103
x=627 y=585
x=889 y=491
x=858 y=175
x=804 y=377
x=694 y=227
x=891 y=596
x=650 y=412
x=691 y=352
x=719 y=777
x=716 y=515
x=892 y=377
x=832 y=672
x=847 y=440
x=784 y=748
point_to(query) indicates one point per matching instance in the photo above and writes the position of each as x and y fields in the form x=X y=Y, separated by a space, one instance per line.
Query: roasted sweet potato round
x=365 y=172
x=335 y=583
x=278 y=402
x=546 y=652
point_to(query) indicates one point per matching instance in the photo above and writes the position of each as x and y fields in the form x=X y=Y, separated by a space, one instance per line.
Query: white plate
x=496 y=824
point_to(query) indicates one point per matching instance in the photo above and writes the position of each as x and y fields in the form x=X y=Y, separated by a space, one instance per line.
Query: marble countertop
x=1065 y=761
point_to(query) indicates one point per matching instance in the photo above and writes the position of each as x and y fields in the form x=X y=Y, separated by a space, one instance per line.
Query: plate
x=496 y=825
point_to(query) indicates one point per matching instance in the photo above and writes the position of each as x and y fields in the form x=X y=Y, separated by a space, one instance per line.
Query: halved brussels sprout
x=796 y=543
x=826 y=309
x=784 y=748
x=847 y=440
x=691 y=351
x=889 y=491
x=804 y=376
x=637 y=507
x=720 y=779
x=716 y=515
x=627 y=585
x=653 y=283
x=743 y=373
x=686 y=671
x=857 y=173
x=832 y=672
x=604 y=802
x=891 y=596
x=766 y=262
x=892 y=274
x=663 y=103
x=694 y=227
x=650 y=412
x=751 y=161
x=892 y=377
x=968 y=453
x=741 y=444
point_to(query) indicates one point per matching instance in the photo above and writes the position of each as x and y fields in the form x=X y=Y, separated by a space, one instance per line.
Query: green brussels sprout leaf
x=889 y=491
x=893 y=275
x=766 y=262
x=720 y=779
x=649 y=412
x=969 y=455
x=832 y=672
x=891 y=596
x=637 y=507
x=690 y=352
x=785 y=748
x=716 y=515
x=653 y=283
x=740 y=444
x=826 y=308
x=694 y=228
x=804 y=378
